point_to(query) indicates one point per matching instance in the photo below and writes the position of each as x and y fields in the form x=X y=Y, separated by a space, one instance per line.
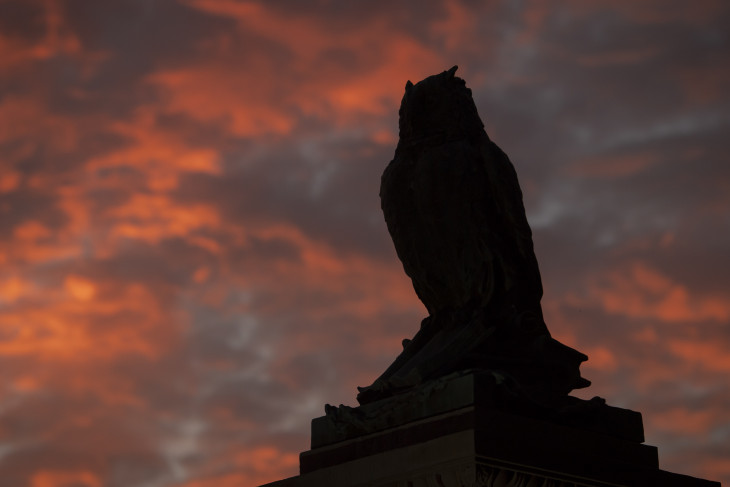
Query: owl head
x=440 y=106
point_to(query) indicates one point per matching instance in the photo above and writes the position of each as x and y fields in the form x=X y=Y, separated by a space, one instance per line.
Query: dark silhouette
x=454 y=209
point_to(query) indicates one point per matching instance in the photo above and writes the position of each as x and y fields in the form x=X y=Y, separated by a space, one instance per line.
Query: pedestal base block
x=468 y=442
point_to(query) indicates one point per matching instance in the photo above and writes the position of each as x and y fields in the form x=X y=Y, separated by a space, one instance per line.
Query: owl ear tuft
x=409 y=85
x=452 y=71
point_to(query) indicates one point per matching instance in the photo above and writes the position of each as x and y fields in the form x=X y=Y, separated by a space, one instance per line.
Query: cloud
x=287 y=78
x=252 y=467
x=46 y=478
x=641 y=292
x=193 y=256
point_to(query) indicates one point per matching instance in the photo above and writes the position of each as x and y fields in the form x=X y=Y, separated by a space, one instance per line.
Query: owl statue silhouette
x=453 y=207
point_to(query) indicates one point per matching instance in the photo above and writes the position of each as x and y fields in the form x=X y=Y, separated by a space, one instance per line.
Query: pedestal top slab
x=481 y=390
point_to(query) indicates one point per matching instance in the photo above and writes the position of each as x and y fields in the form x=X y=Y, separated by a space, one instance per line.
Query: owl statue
x=453 y=206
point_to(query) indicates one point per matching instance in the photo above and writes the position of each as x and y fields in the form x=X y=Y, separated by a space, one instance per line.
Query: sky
x=193 y=260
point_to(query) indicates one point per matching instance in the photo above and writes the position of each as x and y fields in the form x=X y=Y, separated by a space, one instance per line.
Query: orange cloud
x=26 y=384
x=82 y=478
x=716 y=468
x=72 y=325
x=153 y=218
x=684 y=422
x=26 y=118
x=458 y=26
x=13 y=288
x=243 y=101
x=250 y=467
x=641 y=292
x=379 y=88
x=534 y=18
x=359 y=283
x=299 y=33
x=201 y=274
x=161 y=155
x=35 y=242
x=257 y=98
x=226 y=480
x=266 y=459
x=80 y=288
x=9 y=181
x=600 y=358
x=58 y=39
x=711 y=355
x=615 y=166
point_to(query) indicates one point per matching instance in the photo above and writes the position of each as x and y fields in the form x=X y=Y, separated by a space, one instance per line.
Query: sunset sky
x=193 y=256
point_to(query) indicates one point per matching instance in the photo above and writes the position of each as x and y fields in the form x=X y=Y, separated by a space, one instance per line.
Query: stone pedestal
x=458 y=435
